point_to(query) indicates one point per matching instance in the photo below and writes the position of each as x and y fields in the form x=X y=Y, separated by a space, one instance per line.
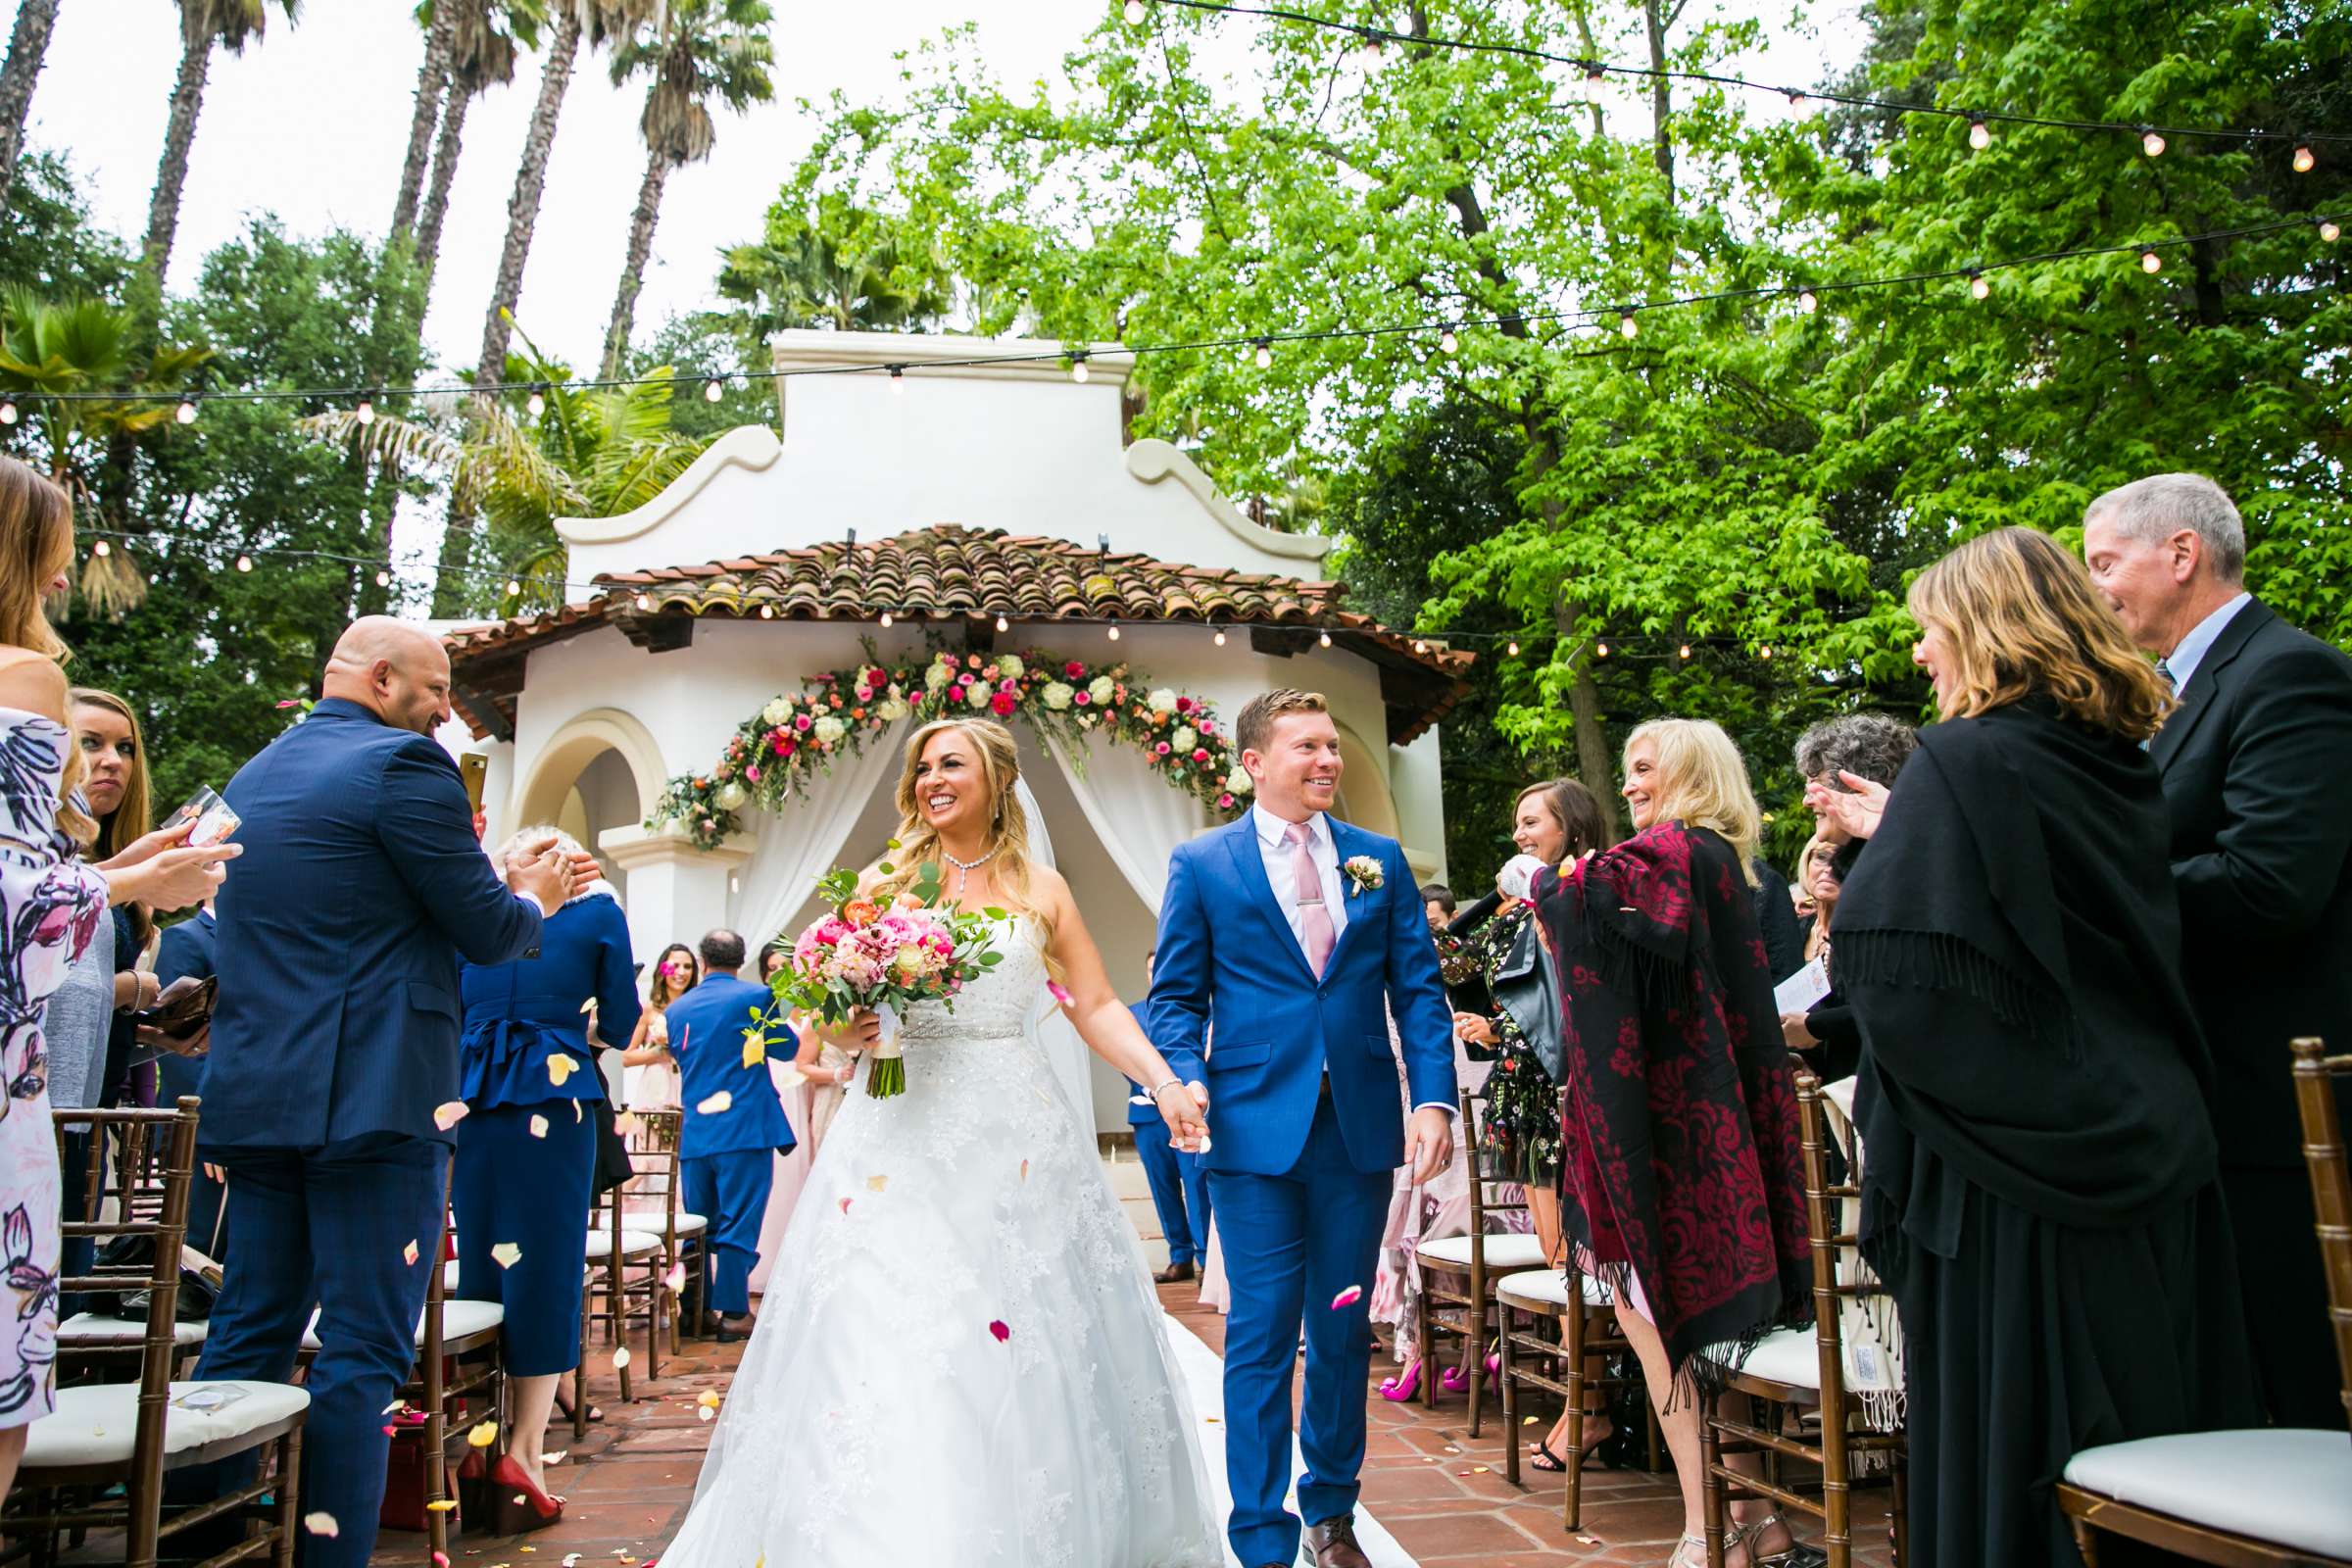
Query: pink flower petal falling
x=408 y=1255
x=448 y=1113
x=1348 y=1297
x=1000 y=1331
x=1059 y=992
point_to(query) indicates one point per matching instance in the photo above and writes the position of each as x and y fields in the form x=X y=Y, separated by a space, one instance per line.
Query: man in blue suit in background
x=735 y=1122
x=1294 y=936
x=334 y=1040
x=1179 y=1186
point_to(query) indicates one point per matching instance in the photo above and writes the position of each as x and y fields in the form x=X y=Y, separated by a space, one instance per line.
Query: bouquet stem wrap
x=886 y=1071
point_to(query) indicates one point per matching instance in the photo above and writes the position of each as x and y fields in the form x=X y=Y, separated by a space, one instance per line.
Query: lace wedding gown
x=960 y=1360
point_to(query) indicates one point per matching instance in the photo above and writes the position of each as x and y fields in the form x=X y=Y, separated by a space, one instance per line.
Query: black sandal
x=1550 y=1463
x=596 y=1412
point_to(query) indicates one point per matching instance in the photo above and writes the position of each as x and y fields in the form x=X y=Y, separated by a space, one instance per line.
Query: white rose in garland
x=1057 y=695
x=778 y=711
x=891 y=709
x=731 y=798
x=829 y=730
x=1099 y=690
x=1163 y=701
x=1238 y=782
x=1012 y=668
x=938 y=676
x=977 y=694
x=1183 y=738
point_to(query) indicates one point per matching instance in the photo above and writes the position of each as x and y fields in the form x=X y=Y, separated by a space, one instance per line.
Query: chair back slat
x=2331 y=1189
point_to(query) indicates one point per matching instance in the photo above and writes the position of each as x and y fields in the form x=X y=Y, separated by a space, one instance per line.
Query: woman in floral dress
x=50 y=907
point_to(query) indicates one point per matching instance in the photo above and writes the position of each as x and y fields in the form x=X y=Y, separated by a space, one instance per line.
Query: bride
x=961 y=1360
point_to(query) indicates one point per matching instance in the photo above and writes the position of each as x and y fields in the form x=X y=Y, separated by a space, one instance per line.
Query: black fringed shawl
x=1680 y=1159
x=2010 y=941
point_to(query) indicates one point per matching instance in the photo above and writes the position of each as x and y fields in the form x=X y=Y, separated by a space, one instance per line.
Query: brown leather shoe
x=1174 y=1274
x=1333 y=1542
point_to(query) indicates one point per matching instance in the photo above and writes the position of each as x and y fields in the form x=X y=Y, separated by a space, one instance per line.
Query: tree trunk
x=26 y=48
x=1661 y=99
x=179 y=134
x=522 y=215
x=641 y=250
x=522 y=209
x=1595 y=764
x=436 y=201
x=433 y=83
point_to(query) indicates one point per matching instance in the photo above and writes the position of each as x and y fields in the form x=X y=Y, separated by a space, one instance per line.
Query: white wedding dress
x=960 y=1360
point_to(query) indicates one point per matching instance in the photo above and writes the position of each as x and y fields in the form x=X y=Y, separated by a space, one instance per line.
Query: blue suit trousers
x=1179 y=1192
x=1292 y=1243
x=729 y=1190
x=534 y=1192
x=329 y=1226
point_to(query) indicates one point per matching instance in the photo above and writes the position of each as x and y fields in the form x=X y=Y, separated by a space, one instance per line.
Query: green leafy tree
x=822 y=261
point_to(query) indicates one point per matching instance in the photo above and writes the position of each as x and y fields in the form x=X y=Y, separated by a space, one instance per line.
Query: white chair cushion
x=459 y=1320
x=692 y=1224
x=85 y=1331
x=1505 y=1250
x=1785 y=1356
x=2291 y=1486
x=1550 y=1286
x=96 y=1424
x=633 y=1243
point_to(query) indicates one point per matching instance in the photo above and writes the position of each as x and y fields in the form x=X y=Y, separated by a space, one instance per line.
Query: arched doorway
x=599 y=772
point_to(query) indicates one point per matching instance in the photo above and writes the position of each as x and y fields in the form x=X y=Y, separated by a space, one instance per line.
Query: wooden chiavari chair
x=624 y=1285
x=2269 y=1498
x=98 y=1461
x=1458 y=1273
x=1806 y=1367
x=1587 y=1328
x=127 y=1177
x=653 y=1138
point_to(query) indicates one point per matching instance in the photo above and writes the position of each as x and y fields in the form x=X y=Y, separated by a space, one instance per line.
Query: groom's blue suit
x=1307 y=1131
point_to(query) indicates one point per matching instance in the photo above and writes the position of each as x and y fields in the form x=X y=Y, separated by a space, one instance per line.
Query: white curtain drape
x=1049 y=1025
x=794 y=845
x=1137 y=816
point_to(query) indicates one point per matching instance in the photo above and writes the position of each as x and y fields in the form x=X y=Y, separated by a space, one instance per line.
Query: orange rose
x=860 y=911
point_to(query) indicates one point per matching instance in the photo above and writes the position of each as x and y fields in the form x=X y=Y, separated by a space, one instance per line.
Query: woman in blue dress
x=526 y=1152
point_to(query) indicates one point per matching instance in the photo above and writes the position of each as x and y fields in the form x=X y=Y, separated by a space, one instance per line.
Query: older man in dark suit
x=2254 y=764
x=335 y=1040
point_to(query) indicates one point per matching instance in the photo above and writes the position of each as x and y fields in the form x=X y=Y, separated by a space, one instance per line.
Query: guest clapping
x=1682 y=1181
x=2039 y=1182
x=526 y=1151
x=675 y=972
x=2253 y=765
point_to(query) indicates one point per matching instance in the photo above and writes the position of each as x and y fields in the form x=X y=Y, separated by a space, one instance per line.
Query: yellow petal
x=754 y=1048
x=709 y=1398
x=875 y=1183
x=559 y=1067
x=506 y=1255
x=483 y=1435
x=442 y=1505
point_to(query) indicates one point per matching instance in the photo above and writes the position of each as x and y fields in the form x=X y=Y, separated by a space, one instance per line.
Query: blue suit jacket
x=1146 y=1114
x=340 y=928
x=705 y=1034
x=186 y=952
x=1227 y=958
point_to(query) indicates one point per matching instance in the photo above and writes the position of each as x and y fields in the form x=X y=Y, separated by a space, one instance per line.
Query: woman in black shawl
x=2039 y=1183
x=1681 y=1184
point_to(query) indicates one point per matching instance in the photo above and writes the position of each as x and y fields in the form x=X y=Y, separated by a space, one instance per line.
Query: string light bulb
x=767 y=612
x=187 y=411
x=1595 y=70
x=1979 y=285
x=1513 y=648
x=2328 y=233
x=1980 y=134
x=712 y=391
x=1002 y=625
x=536 y=404
x=1265 y=353
x=1132 y=10
x=102 y=548
x=1796 y=97
x=1684 y=650
x=897 y=378
x=1114 y=632
x=2150 y=262
x=1078 y=370
x=1220 y=637
x=1420 y=646
x=644 y=602
x=365 y=411
x=244 y=563
x=383 y=578
x=1765 y=652
x=1448 y=341
x=886 y=618
x=513 y=588
x=2150 y=142
x=1627 y=328
x=2303 y=159
x=8 y=412
x=1601 y=649
x=1325 y=639
x=1808 y=301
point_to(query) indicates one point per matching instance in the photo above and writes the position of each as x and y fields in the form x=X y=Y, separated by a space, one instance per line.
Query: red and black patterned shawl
x=1681 y=1158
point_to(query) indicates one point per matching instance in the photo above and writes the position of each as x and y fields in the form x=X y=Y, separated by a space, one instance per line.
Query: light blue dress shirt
x=2191 y=651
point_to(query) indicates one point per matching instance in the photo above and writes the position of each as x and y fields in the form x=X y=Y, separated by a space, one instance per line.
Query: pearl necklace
x=965 y=868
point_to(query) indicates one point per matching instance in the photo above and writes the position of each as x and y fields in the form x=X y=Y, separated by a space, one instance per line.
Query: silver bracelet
x=1172 y=1083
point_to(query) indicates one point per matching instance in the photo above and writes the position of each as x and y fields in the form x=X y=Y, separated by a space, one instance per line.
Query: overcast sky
x=312 y=122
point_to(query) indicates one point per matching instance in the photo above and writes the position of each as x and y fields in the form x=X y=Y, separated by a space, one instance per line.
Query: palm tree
x=203 y=24
x=799 y=276
x=433 y=80
x=592 y=452
x=487 y=39
x=709 y=49
x=27 y=46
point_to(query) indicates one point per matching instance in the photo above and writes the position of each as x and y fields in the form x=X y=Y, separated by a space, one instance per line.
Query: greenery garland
x=795 y=738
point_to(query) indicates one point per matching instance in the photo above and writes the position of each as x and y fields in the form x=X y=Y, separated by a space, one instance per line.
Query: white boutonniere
x=1363 y=875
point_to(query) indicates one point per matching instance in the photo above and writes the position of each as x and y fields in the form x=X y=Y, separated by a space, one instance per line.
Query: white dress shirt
x=1280 y=858
x=2191 y=651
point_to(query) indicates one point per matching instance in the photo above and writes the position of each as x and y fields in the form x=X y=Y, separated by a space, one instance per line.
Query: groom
x=1287 y=932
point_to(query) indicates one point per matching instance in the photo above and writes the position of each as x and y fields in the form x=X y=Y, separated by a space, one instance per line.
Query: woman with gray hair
x=526 y=1154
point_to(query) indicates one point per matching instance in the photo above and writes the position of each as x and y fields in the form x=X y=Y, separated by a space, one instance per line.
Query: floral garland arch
x=795 y=738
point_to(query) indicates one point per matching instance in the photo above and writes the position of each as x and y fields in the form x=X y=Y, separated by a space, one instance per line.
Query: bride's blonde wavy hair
x=1007 y=838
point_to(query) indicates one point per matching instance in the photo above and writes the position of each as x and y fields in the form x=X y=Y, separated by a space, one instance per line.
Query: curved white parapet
x=753 y=448
x=1153 y=460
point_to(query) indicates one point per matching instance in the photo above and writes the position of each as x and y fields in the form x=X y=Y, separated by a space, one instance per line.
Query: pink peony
x=1080 y=698
x=1001 y=703
x=1199 y=755
x=802 y=722
x=1162 y=748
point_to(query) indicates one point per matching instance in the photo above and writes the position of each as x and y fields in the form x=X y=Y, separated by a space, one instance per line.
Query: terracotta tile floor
x=631 y=1479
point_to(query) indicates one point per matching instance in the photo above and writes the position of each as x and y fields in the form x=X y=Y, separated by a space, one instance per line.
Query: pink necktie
x=1314 y=920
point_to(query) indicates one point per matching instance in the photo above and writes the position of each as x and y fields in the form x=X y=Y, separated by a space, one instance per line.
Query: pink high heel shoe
x=1401 y=1387
x=1456 y=1382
